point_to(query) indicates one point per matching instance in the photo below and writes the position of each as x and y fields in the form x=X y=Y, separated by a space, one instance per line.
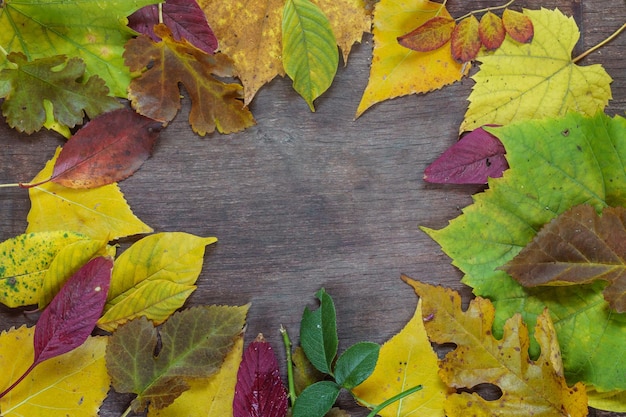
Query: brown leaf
x=491 y=31
x=465 y=42
x=578 y=247
x=518 y=26
x=432 y=35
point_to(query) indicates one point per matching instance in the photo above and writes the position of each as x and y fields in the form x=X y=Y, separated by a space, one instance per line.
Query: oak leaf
x=250 y=33
x=578 y=247
x=578 y=160
x=194 y=344
x=529 y=387
x=155 y=93
x=398 y=71
x=536 y=80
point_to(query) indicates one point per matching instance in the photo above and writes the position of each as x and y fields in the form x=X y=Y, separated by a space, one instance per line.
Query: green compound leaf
x=316 y=400
x=577 y=160
x=318 y=333
x=356 y=364
x=310 y=54
x=93 y=30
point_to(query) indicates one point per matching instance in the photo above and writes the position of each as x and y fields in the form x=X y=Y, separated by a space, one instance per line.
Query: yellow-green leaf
x=536 y=80
x=24 y=261
x=405 y=361
x=100 y=213
x=73 y=384
x=611 y=401
x=310 y=54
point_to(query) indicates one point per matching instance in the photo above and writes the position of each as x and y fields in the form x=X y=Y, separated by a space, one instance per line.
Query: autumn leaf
x=610 y=401
x=505 y=91
x=310 y=56
x=519 y=26
x=529 y=387
x=78 y=390
x=578 y=160
x=577 y=247
x=304 y=373
x=154 y=277
x=25 y=85
x=398 y=71
x=432 y=35
x=475 y=158
x=184 y=18
x=214 y=104
x=465 y=42
x=100 y=213
x=491 y=31
x=94 y=31
x=194 y=343
x=250 y=34
x=259 y=390
x=405 y=361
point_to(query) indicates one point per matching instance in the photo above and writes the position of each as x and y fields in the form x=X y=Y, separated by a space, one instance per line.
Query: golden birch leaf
x=73 y=384
x=528 y=81
x=101 y=213
x=208 y=397
x=405 y=361
x=398 y=71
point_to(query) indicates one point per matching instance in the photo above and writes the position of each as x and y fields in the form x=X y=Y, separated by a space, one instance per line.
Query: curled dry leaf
x=465 y=42
x=432 y=35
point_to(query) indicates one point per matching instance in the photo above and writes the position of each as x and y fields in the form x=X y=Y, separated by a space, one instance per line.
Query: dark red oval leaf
x=108 y=149
x=476 y=157
x=430 y=36
x=259 y=391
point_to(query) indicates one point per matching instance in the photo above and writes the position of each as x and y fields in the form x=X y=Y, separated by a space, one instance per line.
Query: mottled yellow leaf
x=610 y=401
x=405 y=361
x=100 y=213
x=398 y=71
x=73 y=384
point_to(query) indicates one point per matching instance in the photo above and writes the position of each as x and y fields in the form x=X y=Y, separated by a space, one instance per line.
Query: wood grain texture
x=307 y=200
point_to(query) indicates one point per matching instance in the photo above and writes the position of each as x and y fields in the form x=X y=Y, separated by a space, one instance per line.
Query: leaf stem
x=601 y=44
x=290 y=381
x=127 y=411
x=388 y=402
x=486 y=9
x=17 y=184
x=160 y=12
x=20 y=379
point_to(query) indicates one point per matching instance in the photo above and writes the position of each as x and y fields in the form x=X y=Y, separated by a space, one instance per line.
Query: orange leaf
x=465 y=42
x=518 y=26
x=491 y=31
x=430 y=36
x=155 y=94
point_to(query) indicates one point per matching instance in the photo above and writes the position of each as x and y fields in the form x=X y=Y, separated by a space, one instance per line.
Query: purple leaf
x=474 y=158
x=259 y=391
x=184 y=18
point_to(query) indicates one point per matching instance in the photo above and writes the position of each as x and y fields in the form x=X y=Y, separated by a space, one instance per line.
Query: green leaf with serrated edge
x=555 y=164
x=316 y=400
x=310 y=54
x=356 y=364
x=93 y=30
x=318 y=333
x=24 y=262
x=536 y=80
x=194 y=344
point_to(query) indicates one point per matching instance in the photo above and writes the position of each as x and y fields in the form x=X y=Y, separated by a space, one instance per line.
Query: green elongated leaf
x=578 y=160
x=318 y=333
x=24 y=262
x=90 y=29
x=194 y=344
x=310 y=54
x=316 y=400
x=356 y=364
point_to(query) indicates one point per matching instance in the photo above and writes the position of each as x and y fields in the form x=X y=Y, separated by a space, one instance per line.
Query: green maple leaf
x=93 y=30
x=578 y=160
x=29 y=84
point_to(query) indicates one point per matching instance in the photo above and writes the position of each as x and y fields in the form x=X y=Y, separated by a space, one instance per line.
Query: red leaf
x=184 y=18
x=109 y=148
x=430 y=36
x=491 y=31
x=518 y=26
x=259 y=391
x=474 y=158
x=465 y=42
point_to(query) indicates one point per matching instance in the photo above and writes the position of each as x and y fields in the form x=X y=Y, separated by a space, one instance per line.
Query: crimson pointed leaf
x=476 y=157
x=184 y=18
x=108 y=149
x=259 y=391
x=578 y=247
x=430 y=36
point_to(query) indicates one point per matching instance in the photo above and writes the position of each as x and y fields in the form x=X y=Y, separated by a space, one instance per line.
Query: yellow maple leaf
x=536 y=80
x=405 y=361
x=100 y=213
x=397 y=71
x=250 y=34
x=529 y=387
x=73 y=384
x=208 y=397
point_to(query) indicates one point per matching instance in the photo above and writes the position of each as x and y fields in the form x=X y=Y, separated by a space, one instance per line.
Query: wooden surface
x=307 y=200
